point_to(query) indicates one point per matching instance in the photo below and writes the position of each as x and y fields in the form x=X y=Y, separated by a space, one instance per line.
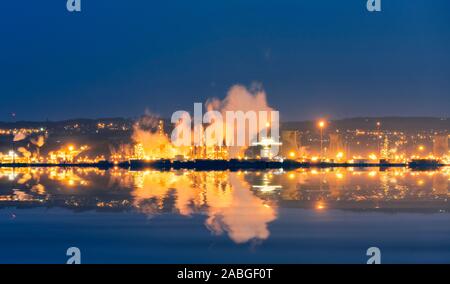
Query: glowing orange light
x=372 y=156
x=320 y=206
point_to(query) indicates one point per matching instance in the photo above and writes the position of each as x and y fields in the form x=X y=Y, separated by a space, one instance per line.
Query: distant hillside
x=407 y=124
x=61 y=124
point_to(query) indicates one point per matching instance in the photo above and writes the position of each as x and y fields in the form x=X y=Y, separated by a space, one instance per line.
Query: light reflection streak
x=240 y=205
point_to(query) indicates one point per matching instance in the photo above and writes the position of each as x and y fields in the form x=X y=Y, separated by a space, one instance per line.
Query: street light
x=321 y=125
x=13 y=115
x=378 y=137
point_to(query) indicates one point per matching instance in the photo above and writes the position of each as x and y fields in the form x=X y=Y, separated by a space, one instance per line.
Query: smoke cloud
x=155 y=144
x=19 y=137
x=39 y=141
x=239 y=98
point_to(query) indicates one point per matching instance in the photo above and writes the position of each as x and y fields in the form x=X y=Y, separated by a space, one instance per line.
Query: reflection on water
x=238 y=204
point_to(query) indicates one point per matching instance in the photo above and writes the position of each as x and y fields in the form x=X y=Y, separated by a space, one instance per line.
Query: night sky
x=313 y=57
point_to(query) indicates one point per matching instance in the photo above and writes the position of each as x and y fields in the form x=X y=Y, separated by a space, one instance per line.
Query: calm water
x=305 y=216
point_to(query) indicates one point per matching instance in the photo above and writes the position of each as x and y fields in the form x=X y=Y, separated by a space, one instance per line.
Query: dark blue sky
x=313 y=57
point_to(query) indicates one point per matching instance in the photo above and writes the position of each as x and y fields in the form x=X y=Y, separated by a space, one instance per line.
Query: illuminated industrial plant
x=334 y=146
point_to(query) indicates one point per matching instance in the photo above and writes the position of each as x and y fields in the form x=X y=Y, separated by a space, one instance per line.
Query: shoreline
x=222 y=165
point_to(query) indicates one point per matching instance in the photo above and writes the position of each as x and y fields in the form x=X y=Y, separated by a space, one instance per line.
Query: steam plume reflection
x=240 y=205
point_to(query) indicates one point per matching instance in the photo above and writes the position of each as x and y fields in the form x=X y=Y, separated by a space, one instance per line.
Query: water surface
x=303 y=216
